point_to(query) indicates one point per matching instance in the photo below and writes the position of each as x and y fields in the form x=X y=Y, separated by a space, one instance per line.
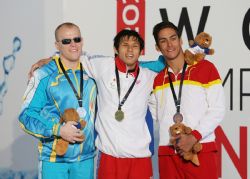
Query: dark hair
x=67 y=24
x=162 y=25
x=128 y=33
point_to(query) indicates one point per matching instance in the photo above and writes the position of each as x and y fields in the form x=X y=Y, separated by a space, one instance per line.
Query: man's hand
x=185 y=143
x=70 y=133
x=37 y=65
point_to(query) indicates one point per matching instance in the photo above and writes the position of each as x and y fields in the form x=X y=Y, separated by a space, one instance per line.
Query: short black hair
x=128 y=33
x=162 y=25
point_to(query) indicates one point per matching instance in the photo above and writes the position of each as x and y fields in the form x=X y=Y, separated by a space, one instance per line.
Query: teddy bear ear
x=191 y=42
x=171 y=129
x=198 y=36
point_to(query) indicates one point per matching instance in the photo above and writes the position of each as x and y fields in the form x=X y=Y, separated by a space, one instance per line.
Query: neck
x=125 y=68
x=131 y=67
x=176 y=65
x=70 y=64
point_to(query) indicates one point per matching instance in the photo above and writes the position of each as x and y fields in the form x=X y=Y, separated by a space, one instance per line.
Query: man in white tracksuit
x=124 y=89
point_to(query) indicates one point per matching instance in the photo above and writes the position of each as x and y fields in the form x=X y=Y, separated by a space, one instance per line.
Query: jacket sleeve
x=95 y=65
x=30 y=118
x=153 y=106
x=216 y=105
x=155 y=65
x=152 y=101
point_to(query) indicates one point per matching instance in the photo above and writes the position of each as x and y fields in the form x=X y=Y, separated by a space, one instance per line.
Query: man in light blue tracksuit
x=55 y=87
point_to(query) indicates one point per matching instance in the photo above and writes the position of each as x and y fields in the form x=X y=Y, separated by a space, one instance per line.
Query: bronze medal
x=178 y=117
x=119 y=115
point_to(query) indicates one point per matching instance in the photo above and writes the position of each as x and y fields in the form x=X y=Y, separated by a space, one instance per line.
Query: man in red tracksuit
x=200 y=104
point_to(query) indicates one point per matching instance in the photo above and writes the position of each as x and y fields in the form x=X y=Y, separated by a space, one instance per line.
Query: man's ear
x=57 y=45
x=157 y=48
x=115 y=51
x=82 y=42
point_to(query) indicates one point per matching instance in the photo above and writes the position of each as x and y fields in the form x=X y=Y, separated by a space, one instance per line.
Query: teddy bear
x=199 y=48
x=176 y=130
x=69 y=114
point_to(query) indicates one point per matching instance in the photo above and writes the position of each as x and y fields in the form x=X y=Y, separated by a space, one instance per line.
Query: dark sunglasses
x=68 y=41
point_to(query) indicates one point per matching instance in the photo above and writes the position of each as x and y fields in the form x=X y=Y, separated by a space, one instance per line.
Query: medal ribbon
x=79 y=98
x=177 y=101
x=119 y=88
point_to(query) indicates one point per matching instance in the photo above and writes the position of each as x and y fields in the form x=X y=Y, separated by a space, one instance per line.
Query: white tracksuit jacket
x=129 y=138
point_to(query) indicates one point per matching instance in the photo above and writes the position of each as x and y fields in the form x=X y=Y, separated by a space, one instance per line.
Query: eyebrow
x=126 y=42
x=162 y=38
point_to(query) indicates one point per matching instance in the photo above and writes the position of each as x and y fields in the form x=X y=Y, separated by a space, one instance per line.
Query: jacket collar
x=56 y=58
x=122 y=67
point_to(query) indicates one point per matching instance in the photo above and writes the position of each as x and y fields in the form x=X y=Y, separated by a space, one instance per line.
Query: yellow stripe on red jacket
x=202 y=101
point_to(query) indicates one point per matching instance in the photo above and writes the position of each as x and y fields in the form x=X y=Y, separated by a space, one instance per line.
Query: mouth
x=170 y=50
x=130 y=56
x=74 y=50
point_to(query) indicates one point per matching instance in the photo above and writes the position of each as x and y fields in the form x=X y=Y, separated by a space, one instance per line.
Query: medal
x=81 y=111
x=178 y=117
x=119 y=115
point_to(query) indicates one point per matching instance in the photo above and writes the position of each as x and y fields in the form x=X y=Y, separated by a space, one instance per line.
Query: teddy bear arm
x=61 y=147
x=83 y=124
x=188 y=155
x=61 y=120
x=188 y=130
x=197 y=147
x=173 y=141
x=189 y=57
x=199 y=56
x=211 y=51
x=195 y=160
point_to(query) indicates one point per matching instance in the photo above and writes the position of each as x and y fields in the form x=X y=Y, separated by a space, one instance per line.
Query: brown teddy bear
x=178 y=129
x=69 y=114
x=199 y=48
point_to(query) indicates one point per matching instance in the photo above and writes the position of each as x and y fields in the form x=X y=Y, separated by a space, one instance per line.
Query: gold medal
x=178 y=117
x=119 y=115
